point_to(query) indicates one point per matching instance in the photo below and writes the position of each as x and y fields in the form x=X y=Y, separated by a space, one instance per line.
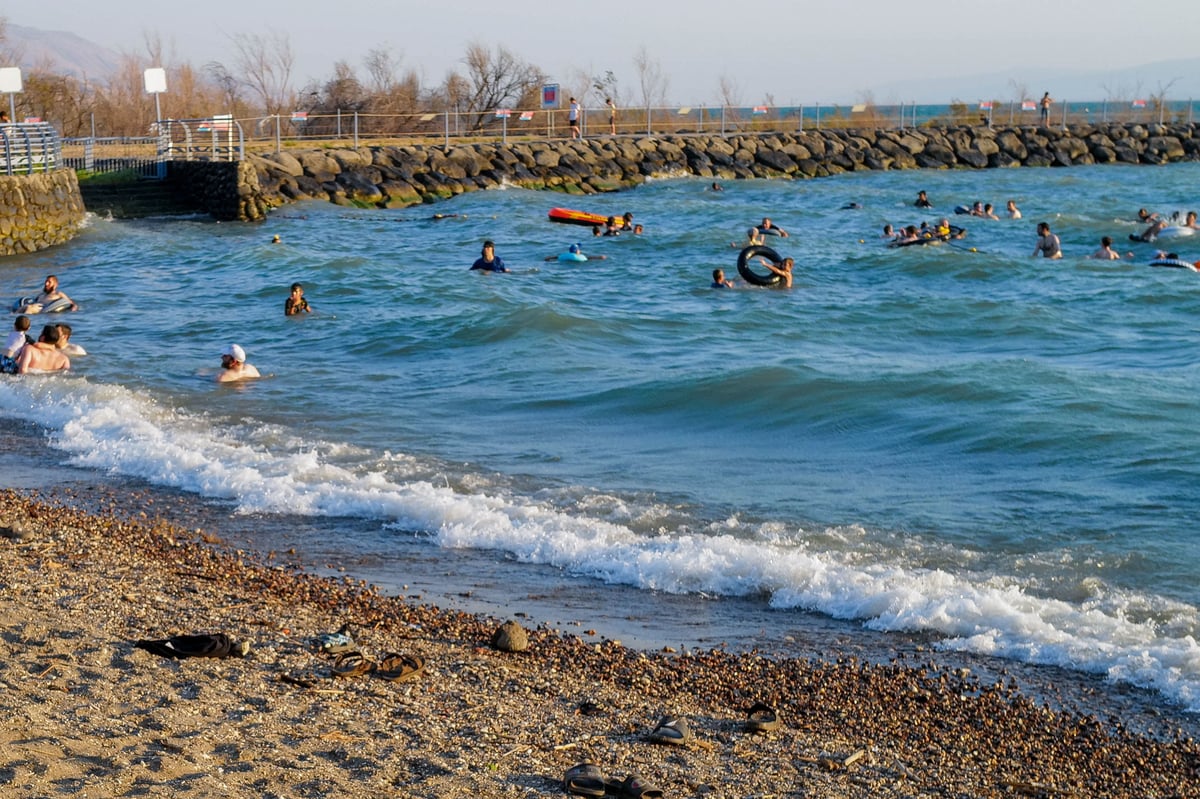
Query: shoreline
x=90 y=710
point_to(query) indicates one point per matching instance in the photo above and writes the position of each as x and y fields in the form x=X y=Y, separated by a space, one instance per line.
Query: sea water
x=994 y=451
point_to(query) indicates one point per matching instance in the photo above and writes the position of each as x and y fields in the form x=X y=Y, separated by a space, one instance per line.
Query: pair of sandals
x=394 y=666
x=587 y=779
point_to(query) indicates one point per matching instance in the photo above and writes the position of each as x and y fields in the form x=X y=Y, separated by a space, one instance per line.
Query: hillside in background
x=65 y=52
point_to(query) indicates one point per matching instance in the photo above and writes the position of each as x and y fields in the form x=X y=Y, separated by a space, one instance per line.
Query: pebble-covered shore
x=88 y=714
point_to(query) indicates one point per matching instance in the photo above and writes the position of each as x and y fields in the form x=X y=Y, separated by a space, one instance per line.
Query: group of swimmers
x=49 y=352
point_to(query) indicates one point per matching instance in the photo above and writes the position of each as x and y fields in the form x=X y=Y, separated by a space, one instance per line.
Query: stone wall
x=38 y=211
x=399 y=176
x=227 y=190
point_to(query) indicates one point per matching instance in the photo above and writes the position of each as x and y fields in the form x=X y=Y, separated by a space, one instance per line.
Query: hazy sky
x=788 y=51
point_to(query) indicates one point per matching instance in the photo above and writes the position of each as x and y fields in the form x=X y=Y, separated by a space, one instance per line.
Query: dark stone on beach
x=972 y=157
x=510 y=637
x=776 y=159
x=1126 y=155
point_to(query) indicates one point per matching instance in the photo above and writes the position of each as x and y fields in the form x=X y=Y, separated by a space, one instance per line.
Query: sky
x=783 y=52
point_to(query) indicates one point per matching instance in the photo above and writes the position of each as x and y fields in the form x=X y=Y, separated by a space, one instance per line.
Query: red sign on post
x=550 y=95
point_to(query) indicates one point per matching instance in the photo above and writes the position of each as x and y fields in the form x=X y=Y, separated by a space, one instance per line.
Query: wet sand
x=90 y=714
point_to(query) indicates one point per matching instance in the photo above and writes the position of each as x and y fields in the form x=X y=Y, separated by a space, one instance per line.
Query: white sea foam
x=1135 y=638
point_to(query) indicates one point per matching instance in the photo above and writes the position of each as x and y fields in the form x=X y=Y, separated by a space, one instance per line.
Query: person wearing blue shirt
x=488 y=261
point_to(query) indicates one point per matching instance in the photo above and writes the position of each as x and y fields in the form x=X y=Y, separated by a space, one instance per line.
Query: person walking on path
x=573 y=118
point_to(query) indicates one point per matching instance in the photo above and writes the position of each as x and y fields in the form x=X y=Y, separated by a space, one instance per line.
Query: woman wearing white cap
x=234 y=366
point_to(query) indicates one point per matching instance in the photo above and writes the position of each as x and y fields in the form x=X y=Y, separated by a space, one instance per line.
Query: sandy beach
x=92 y=715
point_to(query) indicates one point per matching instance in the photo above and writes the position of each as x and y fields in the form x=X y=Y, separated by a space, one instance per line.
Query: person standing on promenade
x=1044 y=105
x=573 y=118
x=1047 y=244
x=612 y=115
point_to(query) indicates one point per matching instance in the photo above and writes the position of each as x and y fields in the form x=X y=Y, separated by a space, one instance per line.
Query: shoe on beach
x=352 y=664
x=671 y=730
x=584 y=779
x=395 y=667
x=761 y=718
x=337 y=643
x=217 y=645
x=636 y=787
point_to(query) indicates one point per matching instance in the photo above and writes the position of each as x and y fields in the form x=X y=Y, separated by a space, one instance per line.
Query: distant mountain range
x=64 y=52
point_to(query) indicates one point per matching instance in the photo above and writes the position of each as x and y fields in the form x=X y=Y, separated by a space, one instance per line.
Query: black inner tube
x=752 y=277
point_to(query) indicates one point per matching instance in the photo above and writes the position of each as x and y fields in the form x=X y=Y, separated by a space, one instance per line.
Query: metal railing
x=29 y=147
x=223 y=138
x=356 y=127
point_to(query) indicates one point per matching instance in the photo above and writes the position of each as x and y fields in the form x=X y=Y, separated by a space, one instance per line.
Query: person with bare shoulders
x=50 y=294
x=234 y=366
x=43 y=355
x=1106 y=252
x=1013 y=211
x=769 y=228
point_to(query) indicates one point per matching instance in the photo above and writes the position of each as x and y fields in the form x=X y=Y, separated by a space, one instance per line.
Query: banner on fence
x=1139 y=103
x=760 y=109
x=299 y=116
x=503 y=112
x=526 y=116
x=985 y=105
x=550 y=95
x=1028 y=105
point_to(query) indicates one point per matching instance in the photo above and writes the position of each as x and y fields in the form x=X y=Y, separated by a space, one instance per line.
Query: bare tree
x=651 y=79
x=390 y=92
x=266 y=66
x=497 y=80
x=728 y=91
x=227 y=85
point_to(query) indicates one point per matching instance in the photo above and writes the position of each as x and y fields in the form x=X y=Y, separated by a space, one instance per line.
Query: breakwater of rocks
x=404 y=175
x=38 y=211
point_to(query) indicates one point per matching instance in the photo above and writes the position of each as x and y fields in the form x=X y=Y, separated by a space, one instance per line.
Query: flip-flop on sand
x=761 y=718
x=636 y=787
x=400 y=668
x=217 y=645
x=352 y=664
x=584 y=779
x=671 y=730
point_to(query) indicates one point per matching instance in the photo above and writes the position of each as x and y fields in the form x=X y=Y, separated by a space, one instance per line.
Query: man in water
x=43 y=355
x=50 y=293
x=719 y=281
x=1106 y=252
x=753 y=239
x=488 y=261
x=234 y=366
x=922 y=200
x=1047 y=244
x=771 y=229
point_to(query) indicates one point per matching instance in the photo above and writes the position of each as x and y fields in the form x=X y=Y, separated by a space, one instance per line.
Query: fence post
x=278 y=136
x=648 y=117
x=356 y=129
x=722 y=120
x=818 y=110
x=446 y=137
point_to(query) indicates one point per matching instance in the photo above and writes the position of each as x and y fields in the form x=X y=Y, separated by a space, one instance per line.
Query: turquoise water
x=997 y=450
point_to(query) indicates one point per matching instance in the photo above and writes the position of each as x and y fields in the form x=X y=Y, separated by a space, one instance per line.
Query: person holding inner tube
x=784 y=270
x=768 y=228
